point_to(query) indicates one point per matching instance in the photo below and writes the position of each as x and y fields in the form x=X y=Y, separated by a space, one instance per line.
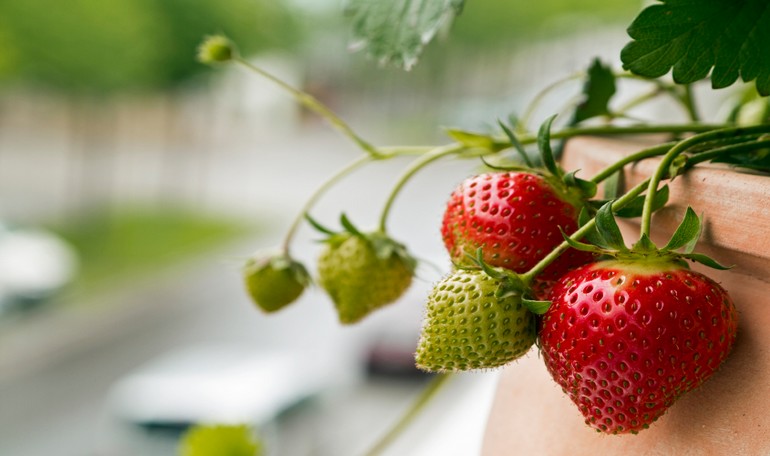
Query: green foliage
x=597 y=92
x=396 y=31
x=691 y=37
x=220 y=440
x=119 y=244
x=496 y=24
x=104 y=46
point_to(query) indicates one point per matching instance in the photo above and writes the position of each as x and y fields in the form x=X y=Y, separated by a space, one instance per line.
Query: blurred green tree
x=106 y=46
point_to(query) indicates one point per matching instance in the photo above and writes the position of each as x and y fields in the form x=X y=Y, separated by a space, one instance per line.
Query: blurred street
x=58 y=368
x=237 y=148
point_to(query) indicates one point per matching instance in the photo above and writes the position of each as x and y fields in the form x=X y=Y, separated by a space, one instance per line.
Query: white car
x=34 y=264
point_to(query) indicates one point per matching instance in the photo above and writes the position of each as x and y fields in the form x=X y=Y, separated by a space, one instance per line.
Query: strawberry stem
x=417 y=165
x=313 y=104
x=727 y=150
x=674 y=152
x=328 y=183
x=620 y=203
x=422 y=400
x=633 y=158
x=688 y=101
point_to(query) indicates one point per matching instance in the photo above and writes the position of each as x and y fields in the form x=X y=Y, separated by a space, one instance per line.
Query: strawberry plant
x=535 y=253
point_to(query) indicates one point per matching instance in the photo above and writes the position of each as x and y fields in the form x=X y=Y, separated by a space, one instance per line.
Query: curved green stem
x=538 y=98
x=633 y=158
x=500 y=143
x=688 y=101
x=347 y=169
x=630 y=104
x=620 y=203
x=312 y=103
x=727 y=150
x=675 y=151
x=672 y=90
x=423 y=399
x=417 y=165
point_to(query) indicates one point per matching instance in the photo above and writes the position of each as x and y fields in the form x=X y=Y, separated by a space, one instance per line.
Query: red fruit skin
x=515 y=218
x=624 y=341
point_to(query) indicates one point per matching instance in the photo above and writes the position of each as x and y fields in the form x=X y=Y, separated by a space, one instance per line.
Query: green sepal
x=472 y=140
x=687 y=233
x=583 y=217
x=608 y=229
x=536 y=307
x=582 y=246
x=635 y=208
x=544 y=145
x=613 y=184
x=704 y=260
x=587 y=188
x=315 y=224
x=516 y=144
x=645 y=244
x=386 y=247
x=677 y=166
x=592 y=236
x=504 y=168
x=349 y=227
x=511 y=282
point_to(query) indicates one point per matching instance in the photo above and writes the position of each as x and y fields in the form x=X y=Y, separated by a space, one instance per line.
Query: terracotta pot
x=728 y=414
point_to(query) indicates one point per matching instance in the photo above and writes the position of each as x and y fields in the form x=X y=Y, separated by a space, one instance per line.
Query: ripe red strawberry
x=514 y=217
x=626 y=338
x=470 y=324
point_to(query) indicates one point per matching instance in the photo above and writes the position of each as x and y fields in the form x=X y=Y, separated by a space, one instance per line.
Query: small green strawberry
x=274 y=281
x=474 y=321
x=362 y=272
x=216 y=49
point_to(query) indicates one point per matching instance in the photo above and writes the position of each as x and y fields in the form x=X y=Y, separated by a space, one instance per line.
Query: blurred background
x=134 y=182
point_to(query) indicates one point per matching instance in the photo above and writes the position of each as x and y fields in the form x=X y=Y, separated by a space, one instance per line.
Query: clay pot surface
x=728 y=414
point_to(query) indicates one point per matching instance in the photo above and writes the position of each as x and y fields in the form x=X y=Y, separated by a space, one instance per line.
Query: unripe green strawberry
x=363 y=272
x=274 y=281
x=468 y=325
x=216 y=49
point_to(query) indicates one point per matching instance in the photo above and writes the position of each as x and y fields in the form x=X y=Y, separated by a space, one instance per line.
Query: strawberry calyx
x=383 y=245
x=607 y=240
x=510 y=284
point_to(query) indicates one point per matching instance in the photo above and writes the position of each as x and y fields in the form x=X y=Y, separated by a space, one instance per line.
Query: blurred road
x=57 y=369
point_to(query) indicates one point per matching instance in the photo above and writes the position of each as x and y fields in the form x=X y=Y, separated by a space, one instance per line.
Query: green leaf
x=692 y=37
x=636 y=206
x=705 y=260
x=396 y=31
x=608 y=228
x=597 y=92
x=687 y=232
x=470 y=139
x=536 y=307
x=544 y=145
x=231 y=440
